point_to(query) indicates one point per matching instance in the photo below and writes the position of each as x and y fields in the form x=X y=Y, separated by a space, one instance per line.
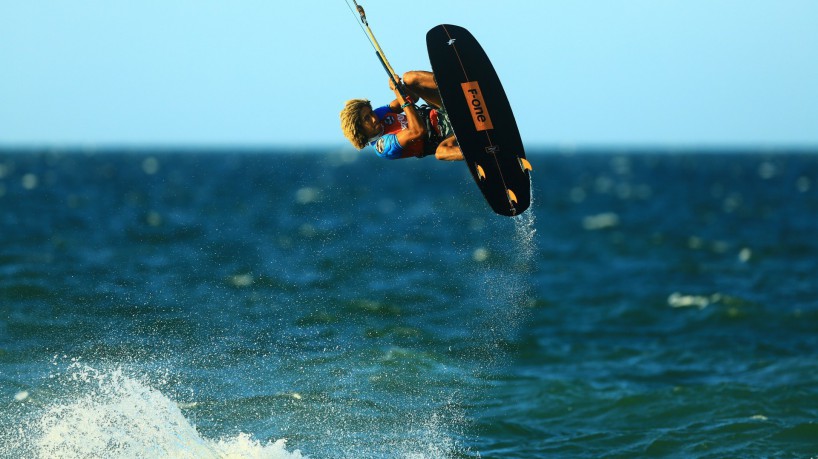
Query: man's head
x=359 y=122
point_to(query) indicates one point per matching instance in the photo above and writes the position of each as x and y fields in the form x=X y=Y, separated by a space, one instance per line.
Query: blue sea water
x=328 y=304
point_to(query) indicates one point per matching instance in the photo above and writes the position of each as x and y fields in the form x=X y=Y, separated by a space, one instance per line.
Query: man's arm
x=394 y=106
x=416 y=130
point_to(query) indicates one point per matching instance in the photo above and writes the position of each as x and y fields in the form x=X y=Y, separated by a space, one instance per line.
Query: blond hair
x=351 y=122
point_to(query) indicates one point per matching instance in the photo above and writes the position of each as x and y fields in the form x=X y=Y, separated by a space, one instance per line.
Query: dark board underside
x=482 y=119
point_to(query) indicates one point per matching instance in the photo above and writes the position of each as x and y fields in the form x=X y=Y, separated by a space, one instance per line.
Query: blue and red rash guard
x=387 y=146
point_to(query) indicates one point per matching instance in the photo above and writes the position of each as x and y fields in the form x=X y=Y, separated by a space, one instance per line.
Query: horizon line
x=565 y=148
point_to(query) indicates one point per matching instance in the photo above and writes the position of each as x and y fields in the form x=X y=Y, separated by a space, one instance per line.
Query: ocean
x=330 y=304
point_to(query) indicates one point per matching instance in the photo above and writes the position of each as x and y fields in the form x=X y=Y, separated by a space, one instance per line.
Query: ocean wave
x=110 y=414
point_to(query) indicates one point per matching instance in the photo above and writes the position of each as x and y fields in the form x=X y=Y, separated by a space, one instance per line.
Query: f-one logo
x=477 y=106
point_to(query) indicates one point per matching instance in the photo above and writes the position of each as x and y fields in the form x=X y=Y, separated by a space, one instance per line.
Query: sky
x=253 y=73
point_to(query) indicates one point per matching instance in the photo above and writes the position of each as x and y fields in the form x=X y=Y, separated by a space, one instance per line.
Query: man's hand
x=399 y=91
x=392 y=82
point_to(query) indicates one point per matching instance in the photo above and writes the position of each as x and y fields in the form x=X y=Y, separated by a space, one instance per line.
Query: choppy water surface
x=329 y=305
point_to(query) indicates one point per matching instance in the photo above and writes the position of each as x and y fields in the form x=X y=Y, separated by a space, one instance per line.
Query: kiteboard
x=481 y=118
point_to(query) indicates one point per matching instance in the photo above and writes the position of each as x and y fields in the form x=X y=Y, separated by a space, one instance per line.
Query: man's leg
x=422 y=84
x=449 y=150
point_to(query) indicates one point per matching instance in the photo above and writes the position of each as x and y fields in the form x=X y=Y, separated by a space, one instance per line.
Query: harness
x=431 y=119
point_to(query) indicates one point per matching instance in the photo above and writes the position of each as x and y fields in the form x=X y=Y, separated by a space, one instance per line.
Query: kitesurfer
x=401 y=129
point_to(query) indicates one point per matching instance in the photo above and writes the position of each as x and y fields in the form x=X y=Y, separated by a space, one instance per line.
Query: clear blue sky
x=267 y=73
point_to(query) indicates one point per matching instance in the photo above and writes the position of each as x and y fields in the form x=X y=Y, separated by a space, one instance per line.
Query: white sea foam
x=678 y=300
x=112 y=415
x=600 y=221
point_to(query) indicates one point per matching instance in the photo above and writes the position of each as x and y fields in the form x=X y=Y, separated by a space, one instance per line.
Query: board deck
x=481 y=117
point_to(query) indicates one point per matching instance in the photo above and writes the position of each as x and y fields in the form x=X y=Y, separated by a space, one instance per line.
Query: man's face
x=370 y=123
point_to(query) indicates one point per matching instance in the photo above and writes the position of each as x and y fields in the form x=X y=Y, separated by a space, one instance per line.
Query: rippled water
x=324 y=304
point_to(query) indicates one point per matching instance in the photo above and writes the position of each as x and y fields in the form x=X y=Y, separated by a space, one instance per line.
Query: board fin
x=525 y=164
x=481 y=174
x=512 y=198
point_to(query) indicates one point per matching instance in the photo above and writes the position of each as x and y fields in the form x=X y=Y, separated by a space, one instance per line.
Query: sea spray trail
x=510 y=293
x=506 y=286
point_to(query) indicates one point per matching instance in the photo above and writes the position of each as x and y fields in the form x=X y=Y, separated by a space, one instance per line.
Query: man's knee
x=419 y=79
x=411 y=78
x=449 y=150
